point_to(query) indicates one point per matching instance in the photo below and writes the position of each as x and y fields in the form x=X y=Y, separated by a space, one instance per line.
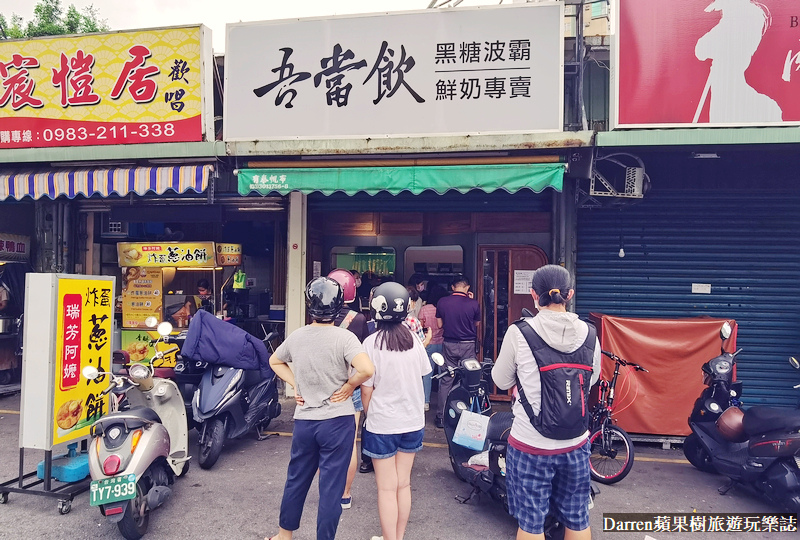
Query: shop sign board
x=137 y=344
x=706 y=63
x=488 y=69
x=153 y=254
x=14 y=247
x=73 y=330
x=229 y=254
x=144 y=86
x=141 y=295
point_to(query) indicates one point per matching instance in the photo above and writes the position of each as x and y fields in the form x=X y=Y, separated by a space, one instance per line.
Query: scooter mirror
x=726 y=330
x=90 y=372
x=164 y=329
x=795 y=363
x=151 y=322
x=438 y=359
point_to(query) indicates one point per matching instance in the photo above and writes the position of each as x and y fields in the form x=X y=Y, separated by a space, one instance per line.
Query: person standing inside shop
x=427 y=316
x=457 y=315
x=8 y=359
x=206 y=295
x=349 y=319
x=321 y=355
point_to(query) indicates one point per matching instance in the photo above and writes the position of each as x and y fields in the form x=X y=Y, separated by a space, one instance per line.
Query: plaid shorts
x=535 y=482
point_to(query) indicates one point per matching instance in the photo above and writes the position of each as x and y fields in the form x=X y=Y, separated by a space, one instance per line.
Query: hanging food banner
x=229 y=254
x=141 y=295
x=183 y=254
x=118 y=88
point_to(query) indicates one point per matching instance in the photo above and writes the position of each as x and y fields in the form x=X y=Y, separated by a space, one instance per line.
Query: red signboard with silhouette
x=707 y=63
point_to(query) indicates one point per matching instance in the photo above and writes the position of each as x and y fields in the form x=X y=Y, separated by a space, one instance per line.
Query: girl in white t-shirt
x=395 y=400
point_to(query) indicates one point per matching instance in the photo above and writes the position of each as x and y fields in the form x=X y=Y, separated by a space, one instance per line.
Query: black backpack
x=565 y=380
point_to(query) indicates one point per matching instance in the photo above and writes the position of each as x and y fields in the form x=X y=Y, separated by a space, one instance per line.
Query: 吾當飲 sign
x=95 y=89
x=707 y=63
x=494 y=69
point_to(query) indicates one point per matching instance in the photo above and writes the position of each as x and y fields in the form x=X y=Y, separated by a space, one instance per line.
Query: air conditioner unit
x=112 y=229
x=634 y=184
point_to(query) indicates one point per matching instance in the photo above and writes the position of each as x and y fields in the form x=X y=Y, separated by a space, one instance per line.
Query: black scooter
x=229 y=402
x=483 y=469
x=758 y=449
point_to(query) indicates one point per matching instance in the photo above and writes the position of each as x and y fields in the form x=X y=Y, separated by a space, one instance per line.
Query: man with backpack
x=553 y=359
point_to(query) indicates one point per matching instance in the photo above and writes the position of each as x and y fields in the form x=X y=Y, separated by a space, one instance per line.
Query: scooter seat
x=499 y=426
x=160 y=372
x=252 y=377
x=762 y=419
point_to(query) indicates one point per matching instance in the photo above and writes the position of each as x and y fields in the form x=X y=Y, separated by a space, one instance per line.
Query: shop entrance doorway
x=504 y=284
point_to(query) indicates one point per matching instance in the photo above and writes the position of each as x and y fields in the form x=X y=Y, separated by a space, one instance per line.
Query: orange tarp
x=673 y=351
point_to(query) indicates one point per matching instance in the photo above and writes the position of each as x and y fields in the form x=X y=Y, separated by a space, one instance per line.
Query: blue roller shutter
x=746 y=245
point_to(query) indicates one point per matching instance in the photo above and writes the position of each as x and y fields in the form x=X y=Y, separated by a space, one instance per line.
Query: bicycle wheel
x=612 y=454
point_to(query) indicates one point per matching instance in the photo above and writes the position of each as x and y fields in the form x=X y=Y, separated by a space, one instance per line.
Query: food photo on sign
x=729 y=62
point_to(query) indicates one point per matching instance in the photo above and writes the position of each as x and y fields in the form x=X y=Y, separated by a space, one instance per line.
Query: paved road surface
x=239 y=498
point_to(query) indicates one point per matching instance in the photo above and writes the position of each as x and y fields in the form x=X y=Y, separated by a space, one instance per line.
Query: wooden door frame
x=482 y=248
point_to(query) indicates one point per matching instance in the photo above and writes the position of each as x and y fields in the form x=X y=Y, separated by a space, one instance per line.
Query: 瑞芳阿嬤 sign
x=84 y=329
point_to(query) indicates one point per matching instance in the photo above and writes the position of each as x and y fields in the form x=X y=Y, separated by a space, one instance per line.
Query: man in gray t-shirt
x=321 y=356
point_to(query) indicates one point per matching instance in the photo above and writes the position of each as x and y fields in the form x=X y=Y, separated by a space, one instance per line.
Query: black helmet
x=324 y=299
x=389 y=302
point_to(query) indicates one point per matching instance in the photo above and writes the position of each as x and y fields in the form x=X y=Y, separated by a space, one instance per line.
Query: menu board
x=141 y=295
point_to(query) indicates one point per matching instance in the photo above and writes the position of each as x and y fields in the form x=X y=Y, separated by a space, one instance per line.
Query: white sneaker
x=427 y=407
x=377 y=538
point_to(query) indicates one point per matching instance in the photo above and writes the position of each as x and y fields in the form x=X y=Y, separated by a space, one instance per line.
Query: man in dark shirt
x=457 y=315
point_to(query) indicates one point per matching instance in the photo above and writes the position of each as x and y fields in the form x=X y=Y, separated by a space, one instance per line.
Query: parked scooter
x=485 y=469
x=229 y=401
x=758 y=449
x=136 y=454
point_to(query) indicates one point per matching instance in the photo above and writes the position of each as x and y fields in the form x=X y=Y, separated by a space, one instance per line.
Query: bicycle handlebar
x=623 y=362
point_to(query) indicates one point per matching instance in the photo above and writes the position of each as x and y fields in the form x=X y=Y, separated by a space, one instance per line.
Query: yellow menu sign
x=141 y=295
x=84 y=322
x=185 y=254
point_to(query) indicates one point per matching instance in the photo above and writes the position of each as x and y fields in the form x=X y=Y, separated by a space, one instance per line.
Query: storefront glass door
x=503 y=290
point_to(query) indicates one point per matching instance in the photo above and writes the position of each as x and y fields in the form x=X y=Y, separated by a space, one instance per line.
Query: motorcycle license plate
x=110 y=490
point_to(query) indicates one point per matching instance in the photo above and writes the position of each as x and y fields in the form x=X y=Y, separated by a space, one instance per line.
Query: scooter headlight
x=723 y=367
x=234 y=380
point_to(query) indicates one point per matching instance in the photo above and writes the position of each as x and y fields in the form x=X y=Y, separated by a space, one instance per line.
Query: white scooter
x=137 y=453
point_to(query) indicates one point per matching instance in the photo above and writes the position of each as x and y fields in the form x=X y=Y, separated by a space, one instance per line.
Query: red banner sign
x=71 y=363
x=708 y=63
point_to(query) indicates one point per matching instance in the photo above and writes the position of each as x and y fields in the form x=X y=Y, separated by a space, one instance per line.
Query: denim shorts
x=379 y=446
x=535 y=482
x=357 y=400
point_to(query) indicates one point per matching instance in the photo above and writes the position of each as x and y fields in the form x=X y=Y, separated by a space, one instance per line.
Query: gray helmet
x=324 y=299
x=389 y=302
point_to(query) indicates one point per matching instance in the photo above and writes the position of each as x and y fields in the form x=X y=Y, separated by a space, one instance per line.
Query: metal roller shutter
x=746 y=245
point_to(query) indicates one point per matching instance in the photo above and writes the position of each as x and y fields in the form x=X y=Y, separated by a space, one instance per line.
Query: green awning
x=416 y=179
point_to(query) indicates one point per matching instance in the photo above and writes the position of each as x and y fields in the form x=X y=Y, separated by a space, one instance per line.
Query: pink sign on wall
x=707 y=63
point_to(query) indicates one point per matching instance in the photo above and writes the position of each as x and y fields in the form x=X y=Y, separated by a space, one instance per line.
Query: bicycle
x=611 y=456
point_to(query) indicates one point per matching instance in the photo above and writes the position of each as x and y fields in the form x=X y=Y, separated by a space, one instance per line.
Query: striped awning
x=103 y=182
